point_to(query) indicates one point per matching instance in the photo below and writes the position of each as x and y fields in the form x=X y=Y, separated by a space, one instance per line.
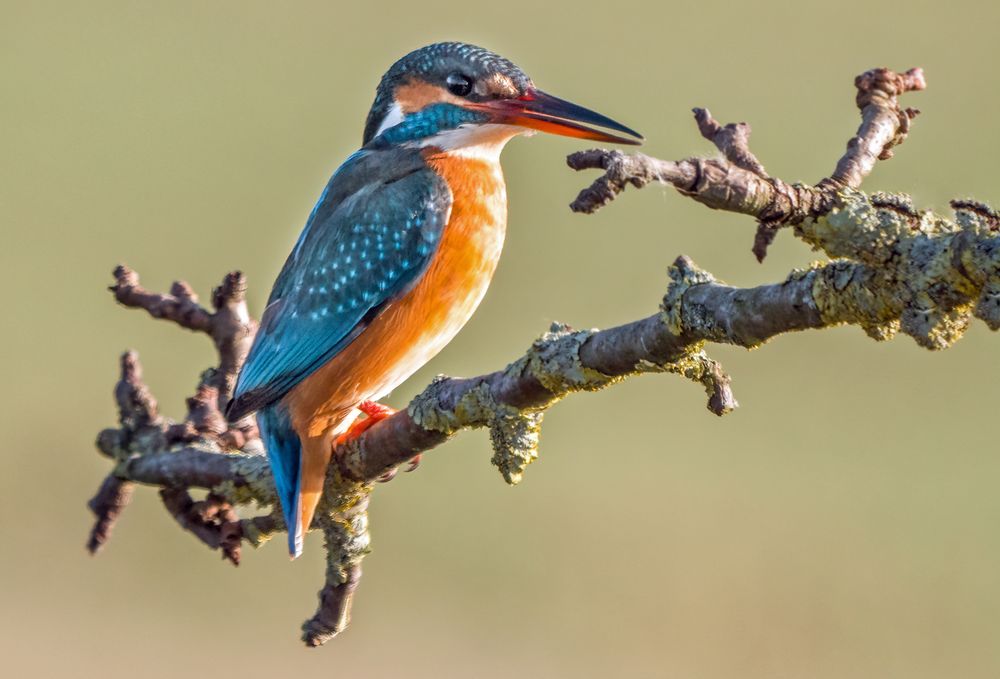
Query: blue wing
x=368 y=240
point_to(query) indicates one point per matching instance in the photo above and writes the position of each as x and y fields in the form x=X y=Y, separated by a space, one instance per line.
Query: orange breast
x=412 y=329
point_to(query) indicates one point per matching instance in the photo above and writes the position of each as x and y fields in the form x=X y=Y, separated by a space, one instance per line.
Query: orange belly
x=415 y=327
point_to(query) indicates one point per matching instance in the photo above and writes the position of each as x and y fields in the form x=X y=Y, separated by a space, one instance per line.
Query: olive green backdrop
x=842 y=523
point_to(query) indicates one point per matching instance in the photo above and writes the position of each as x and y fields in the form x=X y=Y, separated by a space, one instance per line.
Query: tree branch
x=213 y=520
x=738 y=183
x=895 y=269
x=229 y=326
x=112 y=497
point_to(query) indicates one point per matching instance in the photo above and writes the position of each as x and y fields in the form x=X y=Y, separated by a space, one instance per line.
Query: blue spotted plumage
x=368 y=239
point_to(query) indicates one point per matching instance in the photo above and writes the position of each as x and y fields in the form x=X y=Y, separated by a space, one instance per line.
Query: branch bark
x=737 y=182
x=894 y=269
x=229 y=325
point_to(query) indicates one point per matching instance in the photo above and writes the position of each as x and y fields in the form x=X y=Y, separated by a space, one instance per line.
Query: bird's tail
x=284 y=451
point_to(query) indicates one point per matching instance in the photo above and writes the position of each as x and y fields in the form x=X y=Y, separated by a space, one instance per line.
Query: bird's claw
x=391 y=474
x=388 y=476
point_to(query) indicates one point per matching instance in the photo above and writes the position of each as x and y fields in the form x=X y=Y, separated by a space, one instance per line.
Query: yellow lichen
x=911 y=271
x=683 y=274
x=514 y=436
x=254 y=535
x=554 y=360
x=472 y=410
x=256 y=483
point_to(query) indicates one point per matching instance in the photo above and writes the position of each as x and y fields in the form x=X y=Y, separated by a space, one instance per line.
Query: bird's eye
x=458 y=84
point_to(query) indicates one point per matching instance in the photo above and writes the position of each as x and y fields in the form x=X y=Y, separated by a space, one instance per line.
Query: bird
x=394 y=258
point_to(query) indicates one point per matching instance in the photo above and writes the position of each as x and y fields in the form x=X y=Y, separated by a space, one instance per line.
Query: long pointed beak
x=540 y=111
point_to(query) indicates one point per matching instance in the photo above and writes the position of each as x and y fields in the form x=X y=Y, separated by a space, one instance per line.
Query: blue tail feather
x=284 y=453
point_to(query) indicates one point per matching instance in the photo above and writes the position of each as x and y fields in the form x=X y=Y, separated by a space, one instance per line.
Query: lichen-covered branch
x=737 y=182
x=894 y=269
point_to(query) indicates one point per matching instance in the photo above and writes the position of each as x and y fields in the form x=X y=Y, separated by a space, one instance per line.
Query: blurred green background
x=842 y=523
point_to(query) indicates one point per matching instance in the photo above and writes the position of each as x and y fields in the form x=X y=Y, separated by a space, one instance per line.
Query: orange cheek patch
x=415 y=95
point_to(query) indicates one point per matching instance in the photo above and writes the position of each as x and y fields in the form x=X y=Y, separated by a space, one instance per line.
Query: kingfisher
x=394 y=258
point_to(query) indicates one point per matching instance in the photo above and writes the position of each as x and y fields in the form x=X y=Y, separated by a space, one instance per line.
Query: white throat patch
x=483 y=142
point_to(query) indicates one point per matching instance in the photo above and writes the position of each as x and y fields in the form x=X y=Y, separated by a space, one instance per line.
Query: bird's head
x=455 y=96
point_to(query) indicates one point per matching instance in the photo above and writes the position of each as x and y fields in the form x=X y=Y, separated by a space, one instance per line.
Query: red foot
x=374 y=412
